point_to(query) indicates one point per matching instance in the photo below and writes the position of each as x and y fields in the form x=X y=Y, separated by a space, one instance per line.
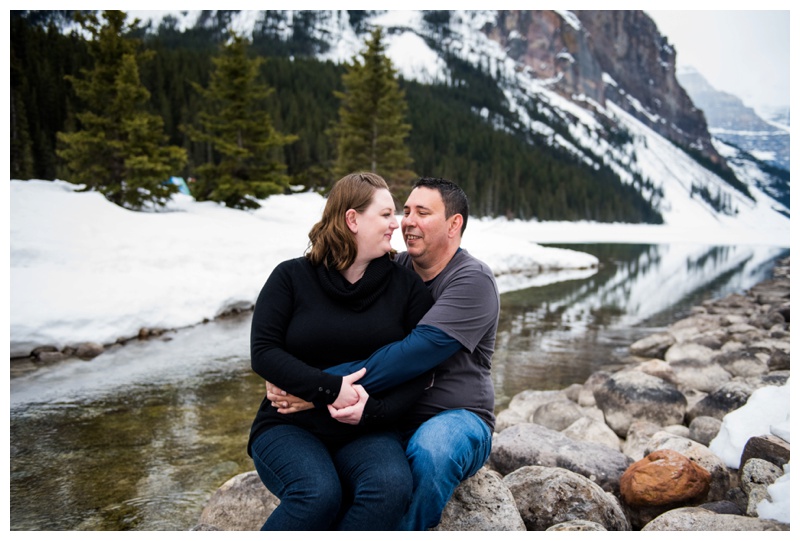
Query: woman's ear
x=351 y=219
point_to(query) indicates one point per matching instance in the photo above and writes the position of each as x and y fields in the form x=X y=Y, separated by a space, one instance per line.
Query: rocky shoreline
x=627 y=450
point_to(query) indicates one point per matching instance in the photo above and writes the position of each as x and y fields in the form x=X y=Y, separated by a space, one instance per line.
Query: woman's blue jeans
x=363 y=485
x=444 y=451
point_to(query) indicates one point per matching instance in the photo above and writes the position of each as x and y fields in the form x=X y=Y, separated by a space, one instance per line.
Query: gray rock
x=689 y=350
x=632 y=395
x=637 y=439
x=718 y=403
x=689 y=519
x=481 y=503
x=546 y=496
x=507 y=418
x=653 y=346
x=526 y=402
x=576 y=526
x=755 y=477
x=529 y=444
x=703 y=429
x=243 y=503
x=768 y=447
x=588 y=429
x=557 y=414
x=89 y=350
x=704 y=376
x=747 y=362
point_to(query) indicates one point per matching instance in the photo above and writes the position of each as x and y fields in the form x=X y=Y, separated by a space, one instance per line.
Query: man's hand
x=285 y=402
x=348 y=395
x=351 y=415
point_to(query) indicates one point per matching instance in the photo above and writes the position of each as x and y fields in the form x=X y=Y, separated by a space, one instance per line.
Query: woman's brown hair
x=331 y=241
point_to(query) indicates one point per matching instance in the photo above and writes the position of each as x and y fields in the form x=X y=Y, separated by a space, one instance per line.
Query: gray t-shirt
x=467 y=308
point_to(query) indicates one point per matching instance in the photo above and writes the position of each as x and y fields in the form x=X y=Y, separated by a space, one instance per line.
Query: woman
x=342 y=301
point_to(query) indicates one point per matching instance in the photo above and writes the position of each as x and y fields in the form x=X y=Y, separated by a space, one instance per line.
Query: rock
x=755 y=477
x=529 y=444
x=481 y=503
x=653 y=346
x=723 y=400
x=631 y=395
x=704 y=376
x=592 y=383
x=526 y=402
x=689 y=519
x=703 y=429
x=588 y=429
x=688 y=328
x=557 y=414
x=89 y=350
x=700 y=454
x=243 y=503
x=658 y=368
x=664 y=477
x=689 y=350
x=576 y=526
x=48 y=357
x=507 y=418
x=723 y=507
x=768 y=447
x=639 y=435
x=548 y=496
x=744 y=363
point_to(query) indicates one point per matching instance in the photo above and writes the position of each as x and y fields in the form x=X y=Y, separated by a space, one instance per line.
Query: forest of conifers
x=502 y=173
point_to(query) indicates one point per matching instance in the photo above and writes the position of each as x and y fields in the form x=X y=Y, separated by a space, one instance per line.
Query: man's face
x=424 y=226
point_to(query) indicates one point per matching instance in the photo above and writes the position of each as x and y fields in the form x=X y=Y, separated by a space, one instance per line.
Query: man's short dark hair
x=454 y=198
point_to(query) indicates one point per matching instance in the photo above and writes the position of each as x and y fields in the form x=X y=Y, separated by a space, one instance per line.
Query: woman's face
x=375 y=226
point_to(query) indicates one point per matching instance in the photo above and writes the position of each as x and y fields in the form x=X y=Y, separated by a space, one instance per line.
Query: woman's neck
x=356 y=271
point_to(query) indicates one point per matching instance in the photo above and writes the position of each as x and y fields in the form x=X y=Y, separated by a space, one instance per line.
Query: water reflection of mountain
x=553 y=336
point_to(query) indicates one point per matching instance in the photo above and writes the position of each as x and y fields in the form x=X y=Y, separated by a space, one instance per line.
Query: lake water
x=140 y=437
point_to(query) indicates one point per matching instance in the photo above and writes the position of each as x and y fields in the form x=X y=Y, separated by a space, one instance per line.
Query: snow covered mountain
x=731 y=121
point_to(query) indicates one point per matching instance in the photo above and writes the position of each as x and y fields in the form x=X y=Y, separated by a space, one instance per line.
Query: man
x=455 y=414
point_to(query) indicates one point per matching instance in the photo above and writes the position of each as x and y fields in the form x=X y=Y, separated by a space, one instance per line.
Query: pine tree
x=244 y=161
x=119 y=149
x=371 y=130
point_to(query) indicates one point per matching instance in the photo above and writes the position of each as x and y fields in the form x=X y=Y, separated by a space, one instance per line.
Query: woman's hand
x=351 y=415
x=285 y=402
x=348 y=395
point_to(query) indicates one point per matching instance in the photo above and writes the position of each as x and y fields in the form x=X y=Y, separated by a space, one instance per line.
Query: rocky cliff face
x=608 y=55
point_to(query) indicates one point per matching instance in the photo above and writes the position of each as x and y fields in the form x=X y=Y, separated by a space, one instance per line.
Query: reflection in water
x=140 y=437
x=552 y=337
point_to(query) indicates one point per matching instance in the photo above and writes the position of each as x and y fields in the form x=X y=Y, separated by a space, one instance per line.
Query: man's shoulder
x=465 y=261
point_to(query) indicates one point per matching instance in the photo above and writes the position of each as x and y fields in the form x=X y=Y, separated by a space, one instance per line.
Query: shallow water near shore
x=140 y=437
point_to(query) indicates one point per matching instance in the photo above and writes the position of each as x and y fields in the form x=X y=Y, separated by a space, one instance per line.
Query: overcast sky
x=745 y=53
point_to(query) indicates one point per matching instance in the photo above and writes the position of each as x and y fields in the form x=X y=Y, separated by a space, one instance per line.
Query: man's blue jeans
x=444 y=451
x=364 y=485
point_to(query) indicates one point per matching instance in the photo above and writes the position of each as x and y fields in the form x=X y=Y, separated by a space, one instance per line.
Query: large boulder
x=481 y=503
x=633 y=395
x=549 y=496
x=529 y=444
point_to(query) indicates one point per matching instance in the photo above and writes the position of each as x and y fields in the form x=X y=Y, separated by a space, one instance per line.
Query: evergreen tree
x=371 y=129
x=244 y=149
x=119 y=149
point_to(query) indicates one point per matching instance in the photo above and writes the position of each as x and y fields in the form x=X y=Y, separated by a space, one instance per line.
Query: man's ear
x=350 y=218
x=455 y=225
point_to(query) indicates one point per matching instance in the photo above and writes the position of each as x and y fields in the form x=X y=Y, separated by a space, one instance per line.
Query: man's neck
x=432 y=270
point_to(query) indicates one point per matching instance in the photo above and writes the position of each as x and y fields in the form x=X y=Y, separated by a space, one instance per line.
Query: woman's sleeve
x=268 y=356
